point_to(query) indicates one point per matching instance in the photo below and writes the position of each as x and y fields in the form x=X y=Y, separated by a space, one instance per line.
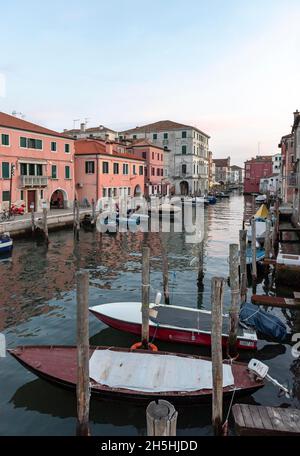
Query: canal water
x=38 y=306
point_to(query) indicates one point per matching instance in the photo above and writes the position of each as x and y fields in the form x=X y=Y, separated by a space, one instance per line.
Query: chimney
x=82 y=127
x=101 y=127
x=296 y=114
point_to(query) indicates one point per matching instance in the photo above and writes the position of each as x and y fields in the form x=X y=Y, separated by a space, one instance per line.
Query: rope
x=156 y=328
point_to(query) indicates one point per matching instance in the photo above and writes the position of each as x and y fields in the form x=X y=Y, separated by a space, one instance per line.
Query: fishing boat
x=261 y=199
x=170 y=323
x=260 y=254
x=6 y=243
x=137 y=375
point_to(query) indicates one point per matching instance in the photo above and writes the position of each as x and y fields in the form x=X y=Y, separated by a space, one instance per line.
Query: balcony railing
x=34 y=181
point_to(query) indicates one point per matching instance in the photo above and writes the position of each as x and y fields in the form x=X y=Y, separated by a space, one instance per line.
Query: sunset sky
x=231 y=68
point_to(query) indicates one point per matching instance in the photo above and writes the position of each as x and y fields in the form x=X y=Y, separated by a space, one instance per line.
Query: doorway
x=31 y=200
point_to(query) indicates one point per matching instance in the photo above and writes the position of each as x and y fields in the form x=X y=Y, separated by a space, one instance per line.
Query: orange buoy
x=138 y=345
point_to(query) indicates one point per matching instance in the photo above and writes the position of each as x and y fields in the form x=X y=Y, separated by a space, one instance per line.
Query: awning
x=32 y=161
x=262 y=211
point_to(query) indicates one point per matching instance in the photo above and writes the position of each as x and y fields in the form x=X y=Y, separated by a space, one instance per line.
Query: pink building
x=36 y=165
x=155 y=183
x=256 y=169
x=106 y=169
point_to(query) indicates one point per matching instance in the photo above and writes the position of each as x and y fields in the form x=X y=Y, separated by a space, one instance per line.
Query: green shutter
x=67 y=148
x=39 y=144
x=23 y=141
x=53 y=172
x=67 y=172
x=5 y=196
x=5 y=140
x=5 y=170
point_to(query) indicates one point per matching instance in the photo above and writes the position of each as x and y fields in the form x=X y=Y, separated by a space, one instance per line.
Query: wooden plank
x=269 y=261
x=259 y=420
x=275 y=301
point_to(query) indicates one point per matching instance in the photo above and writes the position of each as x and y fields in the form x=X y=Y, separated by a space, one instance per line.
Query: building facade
x=222 y=166
x=276 y=163
x=270 y=184
x=256 y=169
x=106 y=169
x=288 y=169
x=155 y=182
x=236 y=175
x=37 y=165
x=211 y=171
x=296 y=139
x=186 y=153
x=100 y=132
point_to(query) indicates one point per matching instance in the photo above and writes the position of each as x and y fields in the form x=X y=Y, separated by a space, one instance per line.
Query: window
x=134 y=136
x=161 y=172
x=67 y=148
x=115 y=192
x=183 y=149
x=128 y=191
x=5 y=171
x=141 y=170
x=5 y=140
x=42 y=194
x=183 y=134
x=23 y=169
x=144 y=154
x=146 y=172
x=67 y=172
x=152 y=172
x=125 y=168
x=116 y=168
x=105 y=167
x=54 y=172
x=104 y=192
x=22 y=195
x=165 y=135
x=89 y=167
x=157 y=171
x=31 y=143
x=134 y=170
x=53 y=146
x=154 y=135
x=5 y=196
x=183 y=169
x=39 y=170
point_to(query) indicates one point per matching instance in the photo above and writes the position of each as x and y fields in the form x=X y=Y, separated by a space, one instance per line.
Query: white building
x=186 y=164
x=100 y=132
x=236 y=175
x=270 y=184
x=276 y=163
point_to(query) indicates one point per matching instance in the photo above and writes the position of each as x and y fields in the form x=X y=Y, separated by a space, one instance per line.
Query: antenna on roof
x=74 y=123
x=86 y=120
x=18 y=114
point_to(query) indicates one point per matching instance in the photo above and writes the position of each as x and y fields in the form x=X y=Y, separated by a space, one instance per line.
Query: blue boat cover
x=267 y=324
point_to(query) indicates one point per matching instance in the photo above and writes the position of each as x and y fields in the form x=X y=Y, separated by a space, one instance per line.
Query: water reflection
x=37 y=305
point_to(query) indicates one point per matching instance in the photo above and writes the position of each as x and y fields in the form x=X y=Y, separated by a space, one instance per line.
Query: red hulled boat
x=170 y=323
x=138 y=375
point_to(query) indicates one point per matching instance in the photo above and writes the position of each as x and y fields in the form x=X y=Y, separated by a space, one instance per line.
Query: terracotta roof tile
x=161 y=125
x=97 y=147
x=9 y=121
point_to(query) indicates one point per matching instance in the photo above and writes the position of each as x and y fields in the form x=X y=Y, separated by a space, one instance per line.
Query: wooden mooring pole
x=217 y=294
x=243 y=264
x=45 y=225
x=93 y=212
x=83 y=381
x=165 y=268
x=76 y=222
x=253 y=250
x=200 y=266
x=235 y=299
x=268 y=239
x=32 y=219
x=145 y=296
x=161 y=419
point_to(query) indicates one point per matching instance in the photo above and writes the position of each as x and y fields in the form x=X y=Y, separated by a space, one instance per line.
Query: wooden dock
x=258 y=420
x=276 y=301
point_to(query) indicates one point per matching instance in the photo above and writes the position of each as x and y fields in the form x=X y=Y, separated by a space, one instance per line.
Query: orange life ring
x=138 y=345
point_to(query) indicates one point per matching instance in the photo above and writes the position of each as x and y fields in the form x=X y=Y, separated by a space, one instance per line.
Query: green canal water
x=38 y=306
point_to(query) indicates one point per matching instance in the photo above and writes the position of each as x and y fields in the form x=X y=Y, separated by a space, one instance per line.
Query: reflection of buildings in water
x=295 y=369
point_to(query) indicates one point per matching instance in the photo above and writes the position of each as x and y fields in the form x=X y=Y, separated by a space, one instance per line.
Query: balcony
x=33 y=181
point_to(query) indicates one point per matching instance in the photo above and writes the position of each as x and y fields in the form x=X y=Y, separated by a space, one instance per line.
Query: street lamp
x=12 y=173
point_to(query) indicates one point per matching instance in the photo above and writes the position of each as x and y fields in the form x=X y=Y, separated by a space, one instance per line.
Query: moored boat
x=170 y=323
x=138 y=375
x=260 y=254
x=6 y=243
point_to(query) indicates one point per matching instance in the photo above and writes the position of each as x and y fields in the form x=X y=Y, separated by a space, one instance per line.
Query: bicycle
x=7 y=216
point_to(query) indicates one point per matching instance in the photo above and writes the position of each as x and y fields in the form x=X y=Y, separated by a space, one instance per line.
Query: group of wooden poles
x=161 y=415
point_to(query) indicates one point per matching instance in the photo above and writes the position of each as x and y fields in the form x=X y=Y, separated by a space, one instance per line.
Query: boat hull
x=168 y=334
x=58 y=365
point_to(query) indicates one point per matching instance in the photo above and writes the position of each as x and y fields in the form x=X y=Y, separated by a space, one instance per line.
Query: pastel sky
x=231 y=67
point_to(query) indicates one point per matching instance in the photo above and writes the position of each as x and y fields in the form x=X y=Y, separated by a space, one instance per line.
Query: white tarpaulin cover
x=149 y=372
